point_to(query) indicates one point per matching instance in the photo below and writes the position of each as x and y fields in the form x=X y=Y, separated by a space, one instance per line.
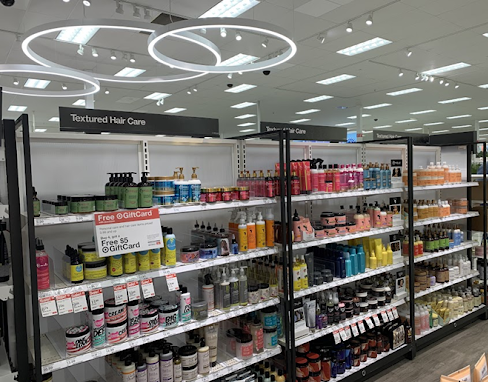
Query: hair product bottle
x=260 y=232
x=144 y=192
x=242 y=229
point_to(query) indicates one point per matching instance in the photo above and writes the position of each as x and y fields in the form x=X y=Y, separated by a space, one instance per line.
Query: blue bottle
x=361 y=259
x=388 y=176
x=354 y=261
x=347 y=263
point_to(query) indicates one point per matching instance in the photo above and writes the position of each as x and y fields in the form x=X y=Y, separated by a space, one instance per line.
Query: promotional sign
x=307 y=132
x=96 y=121
x=122 y=232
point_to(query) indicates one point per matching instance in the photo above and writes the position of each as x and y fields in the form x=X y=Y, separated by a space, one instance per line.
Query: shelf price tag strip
x=64 y=303
x=79 y=302
x=48 y=307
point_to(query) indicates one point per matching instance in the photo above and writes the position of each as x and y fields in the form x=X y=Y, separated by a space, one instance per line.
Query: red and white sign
x=96 y=299
x=79 y=302
x=121 y=232
x=147 y=288
x=48 y=306
x=64 y=303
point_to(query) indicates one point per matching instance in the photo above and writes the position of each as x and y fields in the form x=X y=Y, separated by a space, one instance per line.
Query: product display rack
x=439 y=286
x=463 y=246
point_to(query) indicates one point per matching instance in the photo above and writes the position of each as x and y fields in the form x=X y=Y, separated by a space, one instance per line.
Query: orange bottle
x=251 y=233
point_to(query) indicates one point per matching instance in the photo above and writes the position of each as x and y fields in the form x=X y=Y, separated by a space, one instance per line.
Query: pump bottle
x=131 y=193
x=251 y=232
x=260 y=232
x=242 y=229
x=128 y=371
x=166 y=364
x=152 y=362
x=195 y=187
x=108 y=185
x=141 y=374
x=269 y=226
x=296 y=227
x=234 y=288
x=183 y=187
x=243 y=296
x=225 y=292
x=144 y=192
x=203 y=358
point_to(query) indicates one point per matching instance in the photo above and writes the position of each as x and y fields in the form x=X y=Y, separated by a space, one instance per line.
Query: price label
x=395 y=312
x=343 y=335
x=376 y=320
x=347 y=330
x=96 y=299
x=384 y=316
x=79 y=302
x=147 y=288
x=48 y=306
x=172 y=282
x=390 y=315
x=337 y=337
x=361 y=327
x=64 y=303
x=120 y=294
x=120 y=232
x=369 y=322
x=355 y=331
x=133 y=291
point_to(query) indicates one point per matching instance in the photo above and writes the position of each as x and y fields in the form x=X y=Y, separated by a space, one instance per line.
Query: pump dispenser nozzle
x=180 y=175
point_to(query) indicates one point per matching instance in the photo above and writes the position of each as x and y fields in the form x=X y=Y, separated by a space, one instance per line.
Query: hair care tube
x=185 y=305
x=211 y=339
x=310 y=310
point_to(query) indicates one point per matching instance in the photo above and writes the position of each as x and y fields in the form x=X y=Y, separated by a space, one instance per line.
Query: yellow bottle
x=366 y=256
x=251 y=232
x=115 y=266
x=373 y=261
x=389 y=253
x=242 y=236
x=297 y=272
x=130 y=262
x=385 y=257
x=269 y=222
x=260 y=232
x=143 y=261
x=303 y=272
x=155 y=258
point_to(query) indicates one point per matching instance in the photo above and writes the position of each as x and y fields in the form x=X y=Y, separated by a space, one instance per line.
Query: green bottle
x=145 y=192
x=131 y=192
x=109 y=184
x=121 y=188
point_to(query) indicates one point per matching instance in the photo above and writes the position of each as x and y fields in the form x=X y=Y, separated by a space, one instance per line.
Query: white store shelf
x=432 y=330
x=46 y=220
x=462 y=247
x=338 y=282
x=62 y=287
x=470 y=214
x=53 y=343
x=440 y=286
x=348 y=194
x=336 y=239
x=444 y=186
x=330 y=329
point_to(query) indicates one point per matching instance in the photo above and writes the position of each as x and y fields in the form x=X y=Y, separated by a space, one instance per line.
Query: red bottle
x=269 y=186
x=295 y=184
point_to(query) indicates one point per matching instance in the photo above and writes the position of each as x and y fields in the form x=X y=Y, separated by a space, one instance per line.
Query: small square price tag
x=347 y=330
x=147 y=288
x=395 y=312
x=384 y=316
x=120 y=294
x=337 y=337
x=354 y=329
x=361 y=327
x=133 y=290
x=79 y=302
x=64 y=303
x=48 y=306
x=172 y=282
x=343 y=334
x=96 y=299
x=390 y=315
x=369 y=322
x=376 y=320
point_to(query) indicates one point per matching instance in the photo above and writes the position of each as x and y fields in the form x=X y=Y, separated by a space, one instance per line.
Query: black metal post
x=17 y=251
x=411 y=259
x=484 y=230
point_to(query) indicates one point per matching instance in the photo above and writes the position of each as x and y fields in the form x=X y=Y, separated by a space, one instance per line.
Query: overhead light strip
x=377 y=106
x=333 y=80
x=365 y=46
x=448 y=68
x=240 y=88
x=230 y=8
x=405 y=91
x=317 y=99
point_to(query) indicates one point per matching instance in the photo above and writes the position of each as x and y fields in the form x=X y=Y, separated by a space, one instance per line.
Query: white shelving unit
x=452 y=217
x=462 y=247
x=439 y=286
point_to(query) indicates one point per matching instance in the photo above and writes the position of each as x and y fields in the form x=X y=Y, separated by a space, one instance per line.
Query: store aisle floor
x=462 y=348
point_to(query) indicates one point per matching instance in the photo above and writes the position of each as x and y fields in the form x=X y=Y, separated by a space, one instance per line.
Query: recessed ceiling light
x=317 y=99
x=408 y=52
x=455 y=100
x=246 y=124
x=77 y=35
x=433 y=123
x=240 y=88
x=414 y=129
x=406 y=121
x=345 y=124
x=381 y=127
x=63 y=86
x=175 y=110
x=245 y=116
x=484 y=128
x=246 y=130
x=333 y=80
x=309 y=111
x=86 y=3
x=157 y=96
x=355 y=116
x=80 y=102
x=483 y=86
x=459 y=116
x=447 y=68
x=265 y=43
x=94 y=52
x=161 y=135
x=230 y=8
x=439 y=131
x=17 y=108
x=483 y=108
x=107 y=91
x=364 y=46
x=422 y=112
x=132 y=58
x=38 y=84
x=405 y=91
x=377 y=106
x=223 y=32
x=105 y=133
x=483 y=121
x=54 y=119
x=129 y=72
x=460 y=126
x=40 y=130
x=238 y=59
x=243 y=105
x=300 y=120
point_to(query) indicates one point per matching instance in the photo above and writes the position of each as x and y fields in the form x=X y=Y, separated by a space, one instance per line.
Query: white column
x=258 y=116
x=359 y=124
x=477 y=128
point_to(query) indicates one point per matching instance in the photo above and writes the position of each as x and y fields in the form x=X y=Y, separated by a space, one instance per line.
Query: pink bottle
x=42 y=262
x=321 y=177
x=343 y=176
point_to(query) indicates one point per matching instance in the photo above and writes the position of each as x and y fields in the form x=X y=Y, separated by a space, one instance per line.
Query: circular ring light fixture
x=137 y=26
x=181 y=27
x=92 y=85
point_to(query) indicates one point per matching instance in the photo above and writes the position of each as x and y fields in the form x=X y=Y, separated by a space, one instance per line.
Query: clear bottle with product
x=273 y=282
x=243 y=285
x=257 y=336
x=234 y=288
x=225 y=292
x=195 y=186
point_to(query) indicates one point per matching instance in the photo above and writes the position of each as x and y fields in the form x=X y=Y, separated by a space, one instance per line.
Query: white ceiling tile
x=317 y=7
